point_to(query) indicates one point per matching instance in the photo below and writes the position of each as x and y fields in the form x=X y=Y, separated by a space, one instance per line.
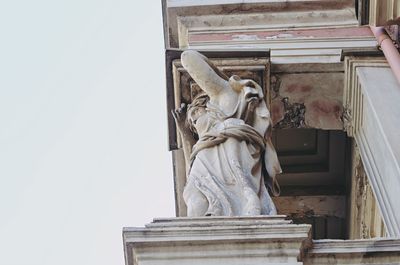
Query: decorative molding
x=288 y=46
x=233 y=14
x=353 y=246
x=363 y=12
x=353 y=100
x=249 y=240
x=296 y=31
x=365 y=220
x=384 y=12
x=187 y=3
x=247 y=22
x=217 y=240
x=375 y=251
x=371 y=98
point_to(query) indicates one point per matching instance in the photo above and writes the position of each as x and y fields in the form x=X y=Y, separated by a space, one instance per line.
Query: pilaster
x=373 y=117
x=383 y=12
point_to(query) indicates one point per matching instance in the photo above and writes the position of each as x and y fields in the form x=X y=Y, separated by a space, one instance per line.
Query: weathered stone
x=234 y=151
x=217 y=240
x=308 y=206
x=247 y=65
x=377 y=251
x=306 y=31
x=372 y=94
x=307 y=100
x=365 y=220
x=253 y=240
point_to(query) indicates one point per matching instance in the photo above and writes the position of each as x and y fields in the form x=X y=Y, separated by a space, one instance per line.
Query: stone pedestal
x=217 y=240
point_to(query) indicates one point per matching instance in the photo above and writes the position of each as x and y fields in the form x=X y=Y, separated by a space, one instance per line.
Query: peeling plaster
x=294 y=115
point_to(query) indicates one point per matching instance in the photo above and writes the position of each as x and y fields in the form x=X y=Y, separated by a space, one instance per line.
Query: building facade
x=333 y=97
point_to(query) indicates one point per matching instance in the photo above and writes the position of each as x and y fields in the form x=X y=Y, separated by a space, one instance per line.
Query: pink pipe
x=388 y=48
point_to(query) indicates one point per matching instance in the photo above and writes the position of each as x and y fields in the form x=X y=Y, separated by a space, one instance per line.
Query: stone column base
x=217 y=240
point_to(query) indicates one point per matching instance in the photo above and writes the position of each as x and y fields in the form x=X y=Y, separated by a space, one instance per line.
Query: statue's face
x=196 y=115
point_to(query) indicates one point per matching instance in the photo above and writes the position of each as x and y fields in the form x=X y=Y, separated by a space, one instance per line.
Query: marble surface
x=234 y=151
x=250 y=240
x=217 y=240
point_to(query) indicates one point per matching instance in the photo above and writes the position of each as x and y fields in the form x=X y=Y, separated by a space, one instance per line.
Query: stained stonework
x=377 y=251
x=394 y=33
x=296 y=31
x=182 y=88
x=293 y=114
x=307 y=100
x=371 y=95
x=384 y=12
x=247 y=240
x=365 y=218
x=267 y=240
x=233 y=154
x=304 y=54
x=186 y=20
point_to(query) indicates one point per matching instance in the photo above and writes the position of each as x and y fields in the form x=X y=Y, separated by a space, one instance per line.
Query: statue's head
x=236 y=83
x=196 y=109
x=239 y=84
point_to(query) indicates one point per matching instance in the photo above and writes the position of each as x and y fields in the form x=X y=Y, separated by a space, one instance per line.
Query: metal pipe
x=389 y=50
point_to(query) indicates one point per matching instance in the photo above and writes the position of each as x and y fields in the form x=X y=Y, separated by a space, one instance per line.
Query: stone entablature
x=306 y=31
x=366 y=251
x=250 y=240
x=217 y=240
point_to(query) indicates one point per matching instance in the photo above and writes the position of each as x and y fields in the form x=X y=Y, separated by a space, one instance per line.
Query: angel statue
x=233 y=156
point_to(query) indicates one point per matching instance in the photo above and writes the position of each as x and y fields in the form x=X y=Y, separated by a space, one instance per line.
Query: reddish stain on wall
x=298 y=88
x=326 y=107
x=363 y=31
x=277 y=111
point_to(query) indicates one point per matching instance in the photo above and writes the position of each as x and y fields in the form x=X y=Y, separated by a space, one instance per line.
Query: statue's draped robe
x=231 y=158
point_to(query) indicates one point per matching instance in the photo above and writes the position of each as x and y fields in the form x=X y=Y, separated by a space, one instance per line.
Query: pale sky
x=83 y=133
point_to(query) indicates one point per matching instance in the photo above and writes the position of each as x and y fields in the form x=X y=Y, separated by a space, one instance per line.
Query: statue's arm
x=204 y=73
x=186 y=134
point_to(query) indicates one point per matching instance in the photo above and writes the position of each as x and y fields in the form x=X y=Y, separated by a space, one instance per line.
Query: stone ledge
x=353 y=246
x=217 y=240
x=218 y=221
x=384 y=251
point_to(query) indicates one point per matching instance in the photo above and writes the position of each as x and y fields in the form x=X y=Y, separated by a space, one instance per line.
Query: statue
x=233 y=154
